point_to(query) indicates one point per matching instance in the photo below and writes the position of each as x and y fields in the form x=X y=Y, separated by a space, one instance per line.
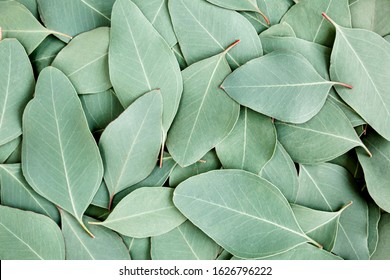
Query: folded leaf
x=238 y=210
x=145 y=212
x=60 y=158
x=29 y=236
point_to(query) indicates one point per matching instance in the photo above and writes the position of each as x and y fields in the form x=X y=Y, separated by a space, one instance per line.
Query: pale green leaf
x=107 y=245
x=145 y=212
x=17 y=193
x=131 y=143
x=16 y=88
x=186 y=242
x=328 y=187
x=282 y=29
x=102 y=197
x=139 y=248
x=361 y=58
x=238 y=210
x=85 y=61
x=8 y=148
x=29 y=236
x=374 y=215
x=265 y=86
x=179 y=56
x=383 y=249
x=200 y=38
x=140 y=61
x=281 y=163
x=376 y=169
x=326 y=136
x=206 y=115
x=250 y=145
x=353 y=117
x=74 y=16
x=31 y=5
x=60 y=158
x=306 y=20
x=16 y=156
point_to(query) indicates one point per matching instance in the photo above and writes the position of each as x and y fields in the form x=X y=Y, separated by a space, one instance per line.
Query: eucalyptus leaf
x=85 y=61
x=353 y=117
x=200 y=38
x=16 y=155
x=361 y=58
x=282 y=29
x=224 y=255
x=266 y=87
x=141 y=61
x=383 y=249
x=107 y=245
x=60 y=158
x=206 y=115
x=179 y=56
x=7 y=149
x=29 y=236
x=130 y=144
x=374 y=215
x=145 y=212
x=326 y=136
x=102 y=197
x=16 y=21
x=209 y=162
x=186 y=242
x=376 y=169
x=251 y=143
x=31 y=5
x=16 y=88
x=257 y=21
x=238 y=209
x=139 y=248
x=281 y=163
x=74 y=16
x=328 y=187
x=305 y=18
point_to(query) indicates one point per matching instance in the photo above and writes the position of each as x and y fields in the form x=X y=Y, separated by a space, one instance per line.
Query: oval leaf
x=60 y=158
x=28 y=236
x=238 y=209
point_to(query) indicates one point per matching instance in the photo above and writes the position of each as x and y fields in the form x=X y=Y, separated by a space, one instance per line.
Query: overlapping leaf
x=382 y=252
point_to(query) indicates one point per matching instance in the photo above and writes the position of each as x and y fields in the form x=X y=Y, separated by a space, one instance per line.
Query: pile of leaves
x=194 y=129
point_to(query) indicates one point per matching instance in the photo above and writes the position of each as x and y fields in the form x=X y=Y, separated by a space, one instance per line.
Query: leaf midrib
x=188 y=244
x=96 y=10
x=137 y=215
x=7 y=87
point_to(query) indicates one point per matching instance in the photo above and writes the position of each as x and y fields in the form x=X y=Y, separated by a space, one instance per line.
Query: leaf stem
x=86 y=229
x=110 y=203
x=264 y=16
x=231 y=46
x=329 y=19
x=60 y=34
x=343 y=85
x=1 y=34
x=346 y=206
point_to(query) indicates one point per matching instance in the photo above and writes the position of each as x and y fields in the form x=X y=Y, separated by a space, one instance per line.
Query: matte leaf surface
x=186 y=242
x=140 y=61
x=200 y=38
x=326 y=136
x=266 y=86
x=130 y=144
x=60 y=158
x=145 y=212
x=139 y=248
x=206 y=115
x=16 y=88
x=250 y=145
x=29 y=236
x=383 y=250
x=85 y=61
x=107 y=245
x=8 y=148
x=237 y=210
x=374 y=215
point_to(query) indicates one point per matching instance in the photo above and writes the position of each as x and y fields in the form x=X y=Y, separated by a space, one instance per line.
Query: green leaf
x=145 y=212
x=238 y=210
x=328 y=187
x=31 y=5
x=383 y=249
x=209 y=162
x=265 y=86
x=16 y=88
x=371 y=15
x=45 y=53
x=156 y=11
x=139 y=248
x=179 y=56
x=107 y=245
x=100 y=109
x=8 y=148
x=250 y=145
x=361 y=58
x=274 y=10
x=322 y=226
x=375 y=169
x=353 y=117
x=102 y=197
x=305 y=18
x=29 y=236
x=86 y=69
x=140 y=61
x=374 y=215
x=16 y=156
x=326 y=136
x=130 y=144
x=18 y=22
x=60 y=158
x=186 y=242
x=224 y=255
x=281 y=163
x=75 y=16
x=17 y=193
x=198 y=126
x=282 y=29
x=200 y=38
